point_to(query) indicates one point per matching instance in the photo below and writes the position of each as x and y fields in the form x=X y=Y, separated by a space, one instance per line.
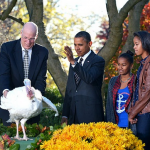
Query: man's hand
x=69 y=54
x=64 y=120
x=5 y=93
x=132 y=121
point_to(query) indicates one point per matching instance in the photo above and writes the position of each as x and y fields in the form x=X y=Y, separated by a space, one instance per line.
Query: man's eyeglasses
x=31 y=39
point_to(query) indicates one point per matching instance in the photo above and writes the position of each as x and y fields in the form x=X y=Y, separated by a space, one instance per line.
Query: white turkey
x=24 y=103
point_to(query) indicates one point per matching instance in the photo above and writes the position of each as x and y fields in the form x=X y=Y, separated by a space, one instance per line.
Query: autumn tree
x=5 y=26
x=111 y=68
x=57 y=27
x=35 y=12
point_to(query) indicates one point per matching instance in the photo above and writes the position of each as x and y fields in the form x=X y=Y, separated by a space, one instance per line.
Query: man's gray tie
x=26 y=64
x=77 y=78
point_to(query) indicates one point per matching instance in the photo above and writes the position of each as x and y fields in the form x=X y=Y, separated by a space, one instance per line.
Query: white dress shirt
x=84 y=58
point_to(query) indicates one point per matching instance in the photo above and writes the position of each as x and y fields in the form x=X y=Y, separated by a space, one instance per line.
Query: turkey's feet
x=25 y=139
x=16 y=137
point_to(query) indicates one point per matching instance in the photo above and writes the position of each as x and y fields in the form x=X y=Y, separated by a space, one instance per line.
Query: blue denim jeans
x=143 y=129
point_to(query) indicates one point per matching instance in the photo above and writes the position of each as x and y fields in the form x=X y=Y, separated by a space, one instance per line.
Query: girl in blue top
x=120 y=91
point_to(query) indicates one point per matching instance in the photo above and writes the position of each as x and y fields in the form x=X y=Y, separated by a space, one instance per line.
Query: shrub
x=54 y=95
x=43 y=137
x=47 y=117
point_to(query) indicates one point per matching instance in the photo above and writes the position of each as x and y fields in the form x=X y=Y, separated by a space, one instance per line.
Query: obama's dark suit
x=83 y=103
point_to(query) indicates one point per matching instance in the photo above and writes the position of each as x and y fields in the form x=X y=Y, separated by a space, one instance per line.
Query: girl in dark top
x=139 y=113
x=120 y=91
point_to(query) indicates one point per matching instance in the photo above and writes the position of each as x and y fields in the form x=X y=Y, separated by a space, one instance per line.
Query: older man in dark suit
x=83 y=101
x=21 y=59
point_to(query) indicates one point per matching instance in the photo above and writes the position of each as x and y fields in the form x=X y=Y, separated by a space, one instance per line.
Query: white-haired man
x=21 y=59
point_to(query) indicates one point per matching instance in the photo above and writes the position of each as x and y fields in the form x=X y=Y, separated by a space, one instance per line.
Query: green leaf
x=14 y=147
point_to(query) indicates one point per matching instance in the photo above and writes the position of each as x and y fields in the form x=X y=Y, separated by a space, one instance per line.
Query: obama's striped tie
x=77 y=78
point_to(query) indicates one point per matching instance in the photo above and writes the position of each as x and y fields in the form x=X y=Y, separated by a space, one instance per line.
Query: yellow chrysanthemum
x=93 y=136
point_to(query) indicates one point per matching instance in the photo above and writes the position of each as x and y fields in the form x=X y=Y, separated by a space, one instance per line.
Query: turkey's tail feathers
x=48 y=104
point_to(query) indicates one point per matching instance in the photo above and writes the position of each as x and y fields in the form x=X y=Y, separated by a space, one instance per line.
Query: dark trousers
x=5 y=117
x=143 y=129
x=76 y=118
x=34 y=120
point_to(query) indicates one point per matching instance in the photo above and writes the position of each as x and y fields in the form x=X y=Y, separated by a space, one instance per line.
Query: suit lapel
x=88 y=59
x=18 y=59
x=34 y=62
x=87 y=62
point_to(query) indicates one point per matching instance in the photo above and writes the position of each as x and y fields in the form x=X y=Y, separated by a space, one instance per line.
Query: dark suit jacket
x=85 y=100
x=11 y=67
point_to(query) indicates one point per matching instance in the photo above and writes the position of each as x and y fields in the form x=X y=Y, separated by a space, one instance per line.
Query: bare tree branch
x=116 y=30
x=29 y=5
x=111 y=9
x=17 y=20
x=134 y=24
x=6 y=12
x=126 y=8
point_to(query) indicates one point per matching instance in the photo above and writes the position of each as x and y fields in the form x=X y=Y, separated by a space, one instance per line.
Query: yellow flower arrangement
x=93 y=136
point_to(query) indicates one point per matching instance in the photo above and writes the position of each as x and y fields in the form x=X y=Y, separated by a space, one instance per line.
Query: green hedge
x=47 y=117
x=54 y=95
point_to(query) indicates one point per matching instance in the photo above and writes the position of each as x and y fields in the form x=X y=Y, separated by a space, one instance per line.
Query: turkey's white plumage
x=21 y=107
